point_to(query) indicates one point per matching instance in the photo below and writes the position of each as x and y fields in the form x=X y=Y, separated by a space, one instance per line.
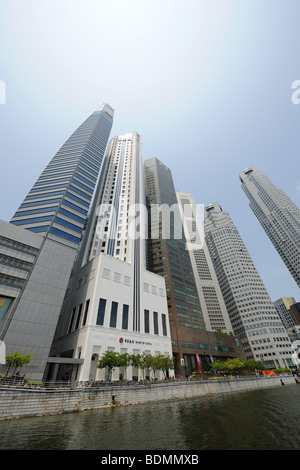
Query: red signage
x=199 y=366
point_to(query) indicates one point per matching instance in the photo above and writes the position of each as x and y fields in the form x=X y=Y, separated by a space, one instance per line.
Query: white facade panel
x=107 y=279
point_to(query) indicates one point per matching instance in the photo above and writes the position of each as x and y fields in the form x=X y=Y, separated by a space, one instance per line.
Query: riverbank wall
x=24 y=402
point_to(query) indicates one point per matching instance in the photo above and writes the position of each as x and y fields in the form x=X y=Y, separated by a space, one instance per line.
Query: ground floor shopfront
x=197 y=357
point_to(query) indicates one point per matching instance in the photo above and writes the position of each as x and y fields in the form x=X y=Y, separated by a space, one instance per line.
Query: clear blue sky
x=207 y=84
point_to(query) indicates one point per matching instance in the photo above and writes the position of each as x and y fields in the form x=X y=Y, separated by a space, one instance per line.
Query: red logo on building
x=121 y=340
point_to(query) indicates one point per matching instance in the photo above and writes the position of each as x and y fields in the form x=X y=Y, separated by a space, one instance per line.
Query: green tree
x=157 y=363
x=282 y=370
x=218 y=366
x=112 y=359
x=125 y=361
x=17 y=360
x=135 y=360
x=167 y=363
x=252 y=365
x=109 y=360
x=235 y=364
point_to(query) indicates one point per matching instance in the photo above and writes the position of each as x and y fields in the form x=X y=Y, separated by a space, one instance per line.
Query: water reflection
x=260 y=419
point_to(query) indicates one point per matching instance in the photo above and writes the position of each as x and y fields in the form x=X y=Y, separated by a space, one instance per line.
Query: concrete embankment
x=25 y=402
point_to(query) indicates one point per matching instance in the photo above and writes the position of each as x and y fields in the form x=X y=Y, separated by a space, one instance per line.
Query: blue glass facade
x=62 y=195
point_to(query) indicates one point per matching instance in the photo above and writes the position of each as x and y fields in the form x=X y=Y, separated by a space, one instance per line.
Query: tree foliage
x=237 y=364
x=109 y=360
x=17 y=360
x=112 y=359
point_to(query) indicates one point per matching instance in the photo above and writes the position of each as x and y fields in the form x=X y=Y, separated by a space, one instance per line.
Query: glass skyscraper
x=167 y=255
x=277 y=214
x=39 y=245
x=58 y=203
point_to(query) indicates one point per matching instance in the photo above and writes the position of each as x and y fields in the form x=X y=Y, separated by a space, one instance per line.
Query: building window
x=68 y=224
x=146 y=320
x=72 y=320
x=101 y=312
x=113 y=315
x=164 y=324
x=78 y=317
x=29 y=221
x=73 y=216
x=61 y=233
x=125 y=317
x=155 y=322
x=87 y=304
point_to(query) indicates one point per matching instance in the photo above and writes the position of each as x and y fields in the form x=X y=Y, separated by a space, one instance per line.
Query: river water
x=266 y=419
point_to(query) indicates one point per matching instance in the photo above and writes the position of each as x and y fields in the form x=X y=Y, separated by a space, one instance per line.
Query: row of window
x=15 y=245
x=113 y=314
x=13 y=281
x=75 y=322
x=195 y=346
x=56 y=231
x=79 y=317
x=15 y=262
x=48 y=218
x=125 y=312
x=63 y=234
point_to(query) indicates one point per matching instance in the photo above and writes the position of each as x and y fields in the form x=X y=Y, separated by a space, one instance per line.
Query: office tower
x=168 y=257
x=252 y=313
x=282 y=306
x=212 y=303
x=50 y=221
x=278 y=215
x=58 y=203
x=113 y=302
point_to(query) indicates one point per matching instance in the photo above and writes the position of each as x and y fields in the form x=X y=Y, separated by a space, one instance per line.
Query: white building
x=113 y=302
x=212 y=303
x=278 y=216
x=252 y=313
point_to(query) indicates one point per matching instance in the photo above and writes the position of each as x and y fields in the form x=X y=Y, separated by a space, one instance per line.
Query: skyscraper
x=58 y=203
x=42 y=240
x=252 y=313
x=278 y=215
x=212 y=303
x=113 y=302
x=167 y=256
x=282 y=306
